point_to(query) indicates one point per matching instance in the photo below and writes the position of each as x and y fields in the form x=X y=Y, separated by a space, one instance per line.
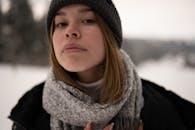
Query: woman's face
x=77 y=39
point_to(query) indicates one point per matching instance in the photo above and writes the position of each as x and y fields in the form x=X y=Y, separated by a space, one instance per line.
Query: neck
x=91 y=75
x=90 y=85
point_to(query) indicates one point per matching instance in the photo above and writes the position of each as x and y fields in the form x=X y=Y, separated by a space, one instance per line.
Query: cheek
x=99 y=42
x=98 y=46
x=96 y=36
x=55 y=38
x=56 y=42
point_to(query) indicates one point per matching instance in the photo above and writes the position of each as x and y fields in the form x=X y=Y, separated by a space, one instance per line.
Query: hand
x=140 y=127
x=89 y=126
x=109 y=127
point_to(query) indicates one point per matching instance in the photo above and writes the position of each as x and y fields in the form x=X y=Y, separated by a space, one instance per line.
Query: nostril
x=67 y=35
x=74 y=35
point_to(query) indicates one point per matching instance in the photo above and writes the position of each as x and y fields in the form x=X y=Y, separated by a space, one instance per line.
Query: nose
x=73 y=32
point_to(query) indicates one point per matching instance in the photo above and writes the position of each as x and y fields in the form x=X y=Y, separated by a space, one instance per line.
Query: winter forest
x=23 y=40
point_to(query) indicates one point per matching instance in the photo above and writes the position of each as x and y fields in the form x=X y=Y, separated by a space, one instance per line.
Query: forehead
x=74 y=8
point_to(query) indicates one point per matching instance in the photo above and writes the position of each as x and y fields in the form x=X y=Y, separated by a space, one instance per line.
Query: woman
x=92 y=84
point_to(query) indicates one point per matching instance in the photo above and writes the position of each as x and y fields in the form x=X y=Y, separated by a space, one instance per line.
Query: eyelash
x=88 y=21
x=60 y=25
x=85 y=21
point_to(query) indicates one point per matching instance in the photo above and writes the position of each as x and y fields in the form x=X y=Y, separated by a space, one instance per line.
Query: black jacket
x=163 y=110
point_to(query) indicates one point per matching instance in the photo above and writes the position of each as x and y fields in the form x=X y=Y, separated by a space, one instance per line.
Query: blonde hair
x=114 y=69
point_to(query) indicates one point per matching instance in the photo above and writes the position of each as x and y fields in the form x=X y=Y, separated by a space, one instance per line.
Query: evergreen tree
x=1 y=22
x=25 y=40
x=20 y=18
x=1 y=17
x=1 y=35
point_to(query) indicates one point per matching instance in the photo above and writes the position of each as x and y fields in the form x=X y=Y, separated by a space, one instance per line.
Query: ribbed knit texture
x=72 y=108
x=105 y=8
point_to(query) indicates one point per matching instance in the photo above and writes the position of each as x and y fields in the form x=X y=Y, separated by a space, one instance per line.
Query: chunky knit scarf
x=71 y=109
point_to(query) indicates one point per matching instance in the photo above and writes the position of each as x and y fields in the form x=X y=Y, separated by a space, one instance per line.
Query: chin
x=74 y=68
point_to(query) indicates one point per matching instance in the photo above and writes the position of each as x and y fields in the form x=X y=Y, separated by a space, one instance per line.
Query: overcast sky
x=158 y=18
x=166 y=19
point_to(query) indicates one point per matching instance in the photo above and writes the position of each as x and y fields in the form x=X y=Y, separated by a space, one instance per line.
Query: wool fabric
x=71 y=108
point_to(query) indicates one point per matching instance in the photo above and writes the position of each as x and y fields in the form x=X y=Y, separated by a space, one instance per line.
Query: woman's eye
x=89 y=21
x=60 y=25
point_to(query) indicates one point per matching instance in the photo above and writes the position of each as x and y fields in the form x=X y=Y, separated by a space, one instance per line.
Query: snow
x=16 y=80
x=171 y=73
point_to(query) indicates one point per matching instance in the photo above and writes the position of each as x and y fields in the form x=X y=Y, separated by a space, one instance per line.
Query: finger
x=140 y=126
x=88 y=126
x=109 y=127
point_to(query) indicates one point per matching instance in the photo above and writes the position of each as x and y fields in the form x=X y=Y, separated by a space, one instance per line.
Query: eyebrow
x=82 y=10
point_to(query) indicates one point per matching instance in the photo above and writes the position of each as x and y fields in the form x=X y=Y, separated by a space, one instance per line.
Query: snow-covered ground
x=171 y=73
x=15 y=80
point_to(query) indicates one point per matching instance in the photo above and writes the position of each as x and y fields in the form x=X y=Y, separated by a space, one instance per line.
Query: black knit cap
x=105 y=8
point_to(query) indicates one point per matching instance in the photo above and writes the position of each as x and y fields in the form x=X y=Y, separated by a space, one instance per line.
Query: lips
x=73 y=48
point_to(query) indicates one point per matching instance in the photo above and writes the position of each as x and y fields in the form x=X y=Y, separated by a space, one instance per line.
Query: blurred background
x=159 y=35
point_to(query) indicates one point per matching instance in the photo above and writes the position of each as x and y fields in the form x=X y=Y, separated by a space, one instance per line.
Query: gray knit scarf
x=71 y=109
